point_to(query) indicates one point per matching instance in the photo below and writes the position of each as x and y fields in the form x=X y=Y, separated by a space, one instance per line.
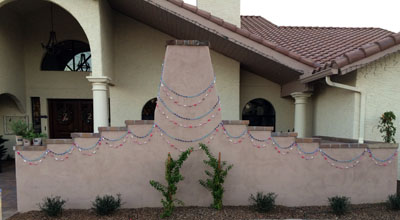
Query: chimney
x=229 y=10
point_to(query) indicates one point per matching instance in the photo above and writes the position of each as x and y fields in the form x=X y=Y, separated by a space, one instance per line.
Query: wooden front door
x=67 y=116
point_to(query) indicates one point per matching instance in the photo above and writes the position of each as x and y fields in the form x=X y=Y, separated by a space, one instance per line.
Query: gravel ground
x=365 y=212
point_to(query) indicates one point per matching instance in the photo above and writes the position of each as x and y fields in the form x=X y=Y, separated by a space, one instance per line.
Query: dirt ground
x=366 y=211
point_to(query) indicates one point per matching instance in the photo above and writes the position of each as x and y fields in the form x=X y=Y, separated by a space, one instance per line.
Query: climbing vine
x=173 y=177
x=217 y=176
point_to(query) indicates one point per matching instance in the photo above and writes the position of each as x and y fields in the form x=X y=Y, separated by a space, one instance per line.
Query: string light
x=186 y=118
x=193 y=125
x=177 y=102
x=91 y=150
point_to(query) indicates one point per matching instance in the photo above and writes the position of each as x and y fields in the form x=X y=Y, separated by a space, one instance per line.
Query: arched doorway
x=48 y=48
x=148 y=109
x=259 y=112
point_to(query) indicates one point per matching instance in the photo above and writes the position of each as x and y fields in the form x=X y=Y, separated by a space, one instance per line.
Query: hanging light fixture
x=50 y=47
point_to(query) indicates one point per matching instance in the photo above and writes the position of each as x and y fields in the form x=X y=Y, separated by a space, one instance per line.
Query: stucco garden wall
x=139 y=51
x=335 y=111
x=253 y=86
x=128 y=170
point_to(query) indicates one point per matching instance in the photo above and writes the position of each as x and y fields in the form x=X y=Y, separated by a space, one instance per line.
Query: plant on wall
x=19 y=128
x=173 y=177
x=217 y=176
x=386 y=127
x=3 y=151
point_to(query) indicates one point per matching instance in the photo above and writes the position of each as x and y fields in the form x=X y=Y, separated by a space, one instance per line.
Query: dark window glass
x=36 y=119
x=148 y=109
x=70 y=55
x=259 y=112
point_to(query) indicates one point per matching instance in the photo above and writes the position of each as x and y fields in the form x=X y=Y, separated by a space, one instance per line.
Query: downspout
x=362 y=104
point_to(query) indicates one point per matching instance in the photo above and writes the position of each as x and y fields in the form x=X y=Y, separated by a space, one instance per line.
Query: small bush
x=386 y=127
x=107 y=204
x=52 y=206
x=263 y=203
x=393 y=202
x=339 y=204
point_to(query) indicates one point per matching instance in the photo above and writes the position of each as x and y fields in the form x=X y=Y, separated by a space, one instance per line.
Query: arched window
x=259 y=112
x=148 y=109
x=69 y=55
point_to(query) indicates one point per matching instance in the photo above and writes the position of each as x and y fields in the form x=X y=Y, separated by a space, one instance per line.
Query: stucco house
x=87 y=73
x=317 y=81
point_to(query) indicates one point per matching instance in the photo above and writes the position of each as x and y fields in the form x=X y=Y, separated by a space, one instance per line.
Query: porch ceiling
x=181 y=27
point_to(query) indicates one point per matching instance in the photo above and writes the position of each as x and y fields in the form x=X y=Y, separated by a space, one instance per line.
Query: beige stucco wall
x=253 y=86
x=380 y=80
x=229 y=10
x=335 y=110
x=12 y=78
x=139 y=51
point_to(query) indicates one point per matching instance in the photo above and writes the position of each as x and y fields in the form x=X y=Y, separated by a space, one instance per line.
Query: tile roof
x=326 y=46
x=245 y=33
x=319 y=47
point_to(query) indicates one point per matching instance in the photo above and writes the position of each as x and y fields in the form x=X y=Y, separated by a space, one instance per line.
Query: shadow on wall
x=9 y=106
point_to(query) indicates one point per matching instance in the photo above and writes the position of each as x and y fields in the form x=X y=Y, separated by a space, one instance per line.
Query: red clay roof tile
x=320 y=47
x=323 y=46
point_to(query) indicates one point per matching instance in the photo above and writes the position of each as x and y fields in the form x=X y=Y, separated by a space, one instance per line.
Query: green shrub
x=173 y=177
x=29 y=134
x=386 y=127
x=19 y=128
x=393 y=202
x=52 y=206
x=263 y=203
x=107 y=204
x=217 y=177
x=339 y=204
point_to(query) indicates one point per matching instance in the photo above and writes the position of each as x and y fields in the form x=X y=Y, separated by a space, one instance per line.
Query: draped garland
x=257 y=143
x=130 y=136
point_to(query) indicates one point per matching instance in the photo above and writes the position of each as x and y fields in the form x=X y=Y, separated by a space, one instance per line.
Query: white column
x=300 y=112
x=100 y=101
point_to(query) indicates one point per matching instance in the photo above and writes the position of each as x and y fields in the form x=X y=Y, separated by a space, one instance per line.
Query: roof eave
x=320 y=75
x=361 y=63
x=227 y=31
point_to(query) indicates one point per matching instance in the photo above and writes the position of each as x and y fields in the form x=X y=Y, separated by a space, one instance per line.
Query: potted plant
x=28 y=137
x=19 y=128
x=38 y=138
